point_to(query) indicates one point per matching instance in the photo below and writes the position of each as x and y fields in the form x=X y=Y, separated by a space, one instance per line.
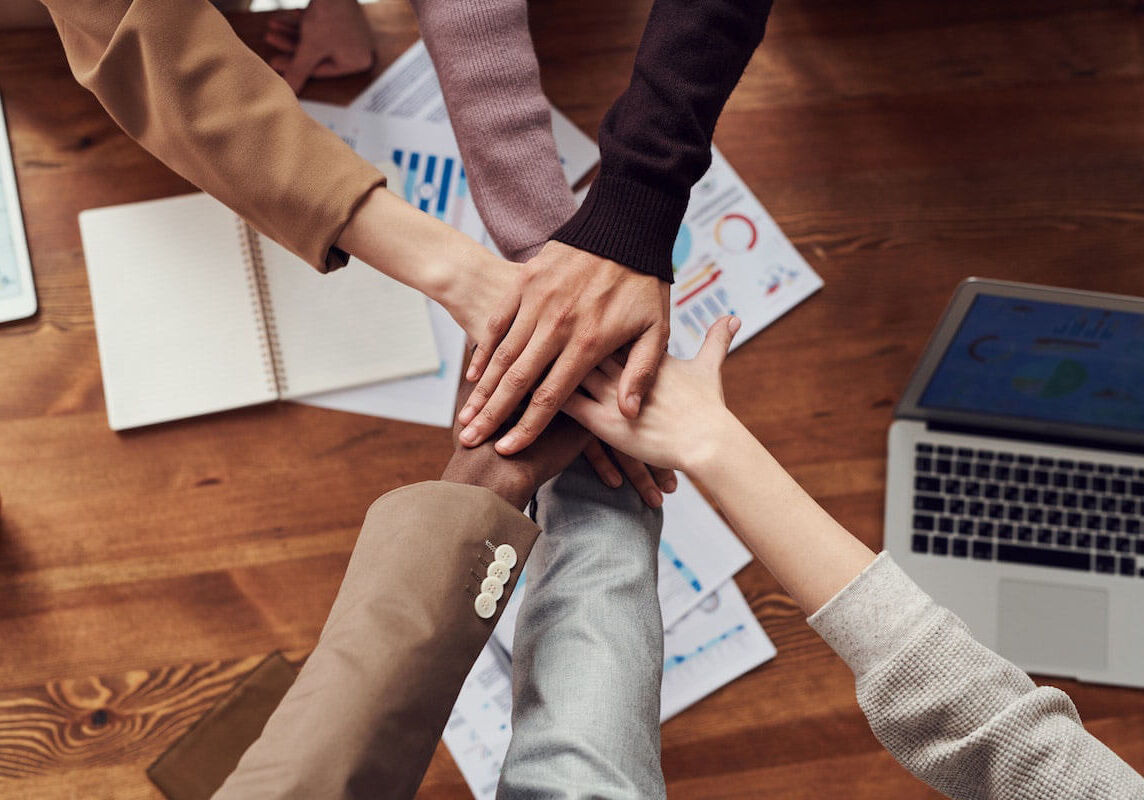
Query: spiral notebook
x=195 y=312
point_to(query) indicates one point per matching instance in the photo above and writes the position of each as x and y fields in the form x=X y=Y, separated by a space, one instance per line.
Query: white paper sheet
x=408 y=89
x=731 y=258
x=697 y=553
x=713 y=645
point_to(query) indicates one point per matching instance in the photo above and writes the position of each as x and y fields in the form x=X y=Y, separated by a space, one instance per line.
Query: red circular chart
x=736 y=233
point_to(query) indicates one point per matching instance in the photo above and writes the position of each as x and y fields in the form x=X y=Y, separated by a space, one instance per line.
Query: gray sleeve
x=954 y=713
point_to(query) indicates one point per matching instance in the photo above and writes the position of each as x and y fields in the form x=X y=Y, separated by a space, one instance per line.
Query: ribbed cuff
x=627 y=222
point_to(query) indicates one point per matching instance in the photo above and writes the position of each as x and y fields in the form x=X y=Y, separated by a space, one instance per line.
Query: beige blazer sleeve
x=176 y=78
x=365 y=714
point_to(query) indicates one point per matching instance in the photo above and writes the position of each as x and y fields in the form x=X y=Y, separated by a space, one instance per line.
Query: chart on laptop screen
x=1049 y=361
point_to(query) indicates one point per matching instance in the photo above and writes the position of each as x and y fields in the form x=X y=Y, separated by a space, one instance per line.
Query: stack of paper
x=711 y=637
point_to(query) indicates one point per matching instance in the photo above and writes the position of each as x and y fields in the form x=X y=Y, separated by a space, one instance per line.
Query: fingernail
x=735 y=324
x=656 y=500
x=469 y=435
x=634 y=400
x=507 y=444
x=615 y=481
x=466 y=415
x=471 y=374
x=672 y=485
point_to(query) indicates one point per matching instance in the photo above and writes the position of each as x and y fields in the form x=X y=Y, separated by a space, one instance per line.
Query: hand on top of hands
x=680 y=413
x=571 y=311
x=329 y=39
x=516 y=478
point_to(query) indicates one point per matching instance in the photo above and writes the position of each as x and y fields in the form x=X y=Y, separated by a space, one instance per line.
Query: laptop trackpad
x=1049 y=625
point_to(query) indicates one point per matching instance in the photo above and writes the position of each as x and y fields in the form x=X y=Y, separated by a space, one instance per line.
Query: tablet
x=17 y=292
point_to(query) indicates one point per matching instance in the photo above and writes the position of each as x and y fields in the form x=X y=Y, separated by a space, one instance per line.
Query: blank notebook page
x=178 y=328
x=345 y=328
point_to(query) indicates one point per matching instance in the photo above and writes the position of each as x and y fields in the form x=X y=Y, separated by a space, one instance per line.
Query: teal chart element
x=432 y=183
x=681 y=251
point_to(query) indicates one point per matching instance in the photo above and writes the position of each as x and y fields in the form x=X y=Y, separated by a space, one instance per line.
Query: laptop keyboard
x=1048 y=512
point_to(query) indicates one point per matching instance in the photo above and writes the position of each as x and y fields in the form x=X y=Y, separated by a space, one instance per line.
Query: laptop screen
x=1037 y=360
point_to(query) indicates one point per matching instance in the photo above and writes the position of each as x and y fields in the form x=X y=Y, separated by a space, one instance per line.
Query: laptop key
x=1035 y=515
x=1106 y=564
x=923 y=464
x=1132 y=526
x=965 y=527
x=1041 y=477
x=945 y=524
x=922 y=447
x=996 y=510
x=972 y=488
x=939 y=546
x=1035 y=556
x=920 y=543
x=982 y=549
x=956 y=506
x=1084 y=540
x=1045 y=536
x=1064 y=538
x=1127 y=506
x=960 y=548
x=1021 y=475
x=924 y=483
x=1123 y=544
x=952 y=486
x=976 y=508
x=943 y=466
x=1060 y=479
x=1127 y=565
x=1103 y=542
x=1140 y=547
x=1054 y=517
x=985 y=528
x=962 y=468
x=1117 y=486
x=1112 y=524
x=923 y=522
x=929 y=502
x=992 y=491
x=1011 y=493
x=1108 y=503
x=1051 y=497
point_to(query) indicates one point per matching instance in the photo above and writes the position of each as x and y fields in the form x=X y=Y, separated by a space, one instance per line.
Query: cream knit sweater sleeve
x=954 y=713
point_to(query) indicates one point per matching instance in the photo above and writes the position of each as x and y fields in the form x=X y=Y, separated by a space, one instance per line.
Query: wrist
x=507 y=480
x=721 y=438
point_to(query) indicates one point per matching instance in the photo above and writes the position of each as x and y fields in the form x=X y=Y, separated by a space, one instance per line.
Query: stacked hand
x=675 y=427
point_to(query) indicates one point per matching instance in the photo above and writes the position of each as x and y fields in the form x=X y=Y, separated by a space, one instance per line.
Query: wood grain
x=902 y=146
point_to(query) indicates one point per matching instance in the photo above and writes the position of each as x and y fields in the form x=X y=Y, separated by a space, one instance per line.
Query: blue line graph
x=671 y=662
x=684 y=570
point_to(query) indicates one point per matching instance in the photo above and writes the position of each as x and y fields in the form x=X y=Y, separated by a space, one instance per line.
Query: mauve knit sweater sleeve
x=485 y=61
x=655 y=142
x=954 y=713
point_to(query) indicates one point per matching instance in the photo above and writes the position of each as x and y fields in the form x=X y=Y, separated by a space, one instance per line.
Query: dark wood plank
x=902 y=146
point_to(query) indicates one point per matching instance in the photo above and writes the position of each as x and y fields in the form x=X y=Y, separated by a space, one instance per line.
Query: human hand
x=575 y=310
x=681 y=414
x=329 y=39
x=652 y=483
x=517 y=477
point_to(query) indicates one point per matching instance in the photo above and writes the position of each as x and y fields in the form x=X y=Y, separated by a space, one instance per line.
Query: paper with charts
x=711 y=637
x=731 y=258
x=421 y=160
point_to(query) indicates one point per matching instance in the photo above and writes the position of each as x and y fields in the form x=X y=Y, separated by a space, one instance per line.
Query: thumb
x=718 y=342
x=640 y=371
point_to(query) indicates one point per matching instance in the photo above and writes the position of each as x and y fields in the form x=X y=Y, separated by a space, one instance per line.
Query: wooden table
x=901 y=145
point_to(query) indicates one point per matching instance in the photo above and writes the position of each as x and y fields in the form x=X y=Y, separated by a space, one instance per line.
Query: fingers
x=495 y=327
x=492 y=366
x=547 y=399
x=603 y=465
x=665 y=479
x=718 y=341
x=639 y=373
x=587 y=412
x=641 y=478
x=506 y=394
x=612 y=368
x=285 y=24
x=600 y=386
x=281 y=41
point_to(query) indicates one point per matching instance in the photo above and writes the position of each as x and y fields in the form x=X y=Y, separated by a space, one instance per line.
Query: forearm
x=806 y=550
x=655 y=142
x=412 y=247
x=490 y=79
x=178 y=80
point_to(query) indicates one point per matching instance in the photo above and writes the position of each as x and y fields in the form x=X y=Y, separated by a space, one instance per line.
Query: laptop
x=1015 y=486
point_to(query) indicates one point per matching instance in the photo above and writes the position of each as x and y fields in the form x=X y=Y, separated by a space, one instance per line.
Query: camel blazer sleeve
x=176 y=78
x=365 y=714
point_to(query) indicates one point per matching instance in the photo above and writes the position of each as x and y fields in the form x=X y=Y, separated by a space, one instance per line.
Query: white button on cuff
x=485 y=605
x=506 y=554
x=493 y=587
x=499 y=571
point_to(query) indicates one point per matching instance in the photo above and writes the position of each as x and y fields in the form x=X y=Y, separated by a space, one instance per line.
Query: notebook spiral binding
x=263 y=308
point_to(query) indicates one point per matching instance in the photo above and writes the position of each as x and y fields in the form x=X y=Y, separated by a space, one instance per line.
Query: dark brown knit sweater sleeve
x=655 y=141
